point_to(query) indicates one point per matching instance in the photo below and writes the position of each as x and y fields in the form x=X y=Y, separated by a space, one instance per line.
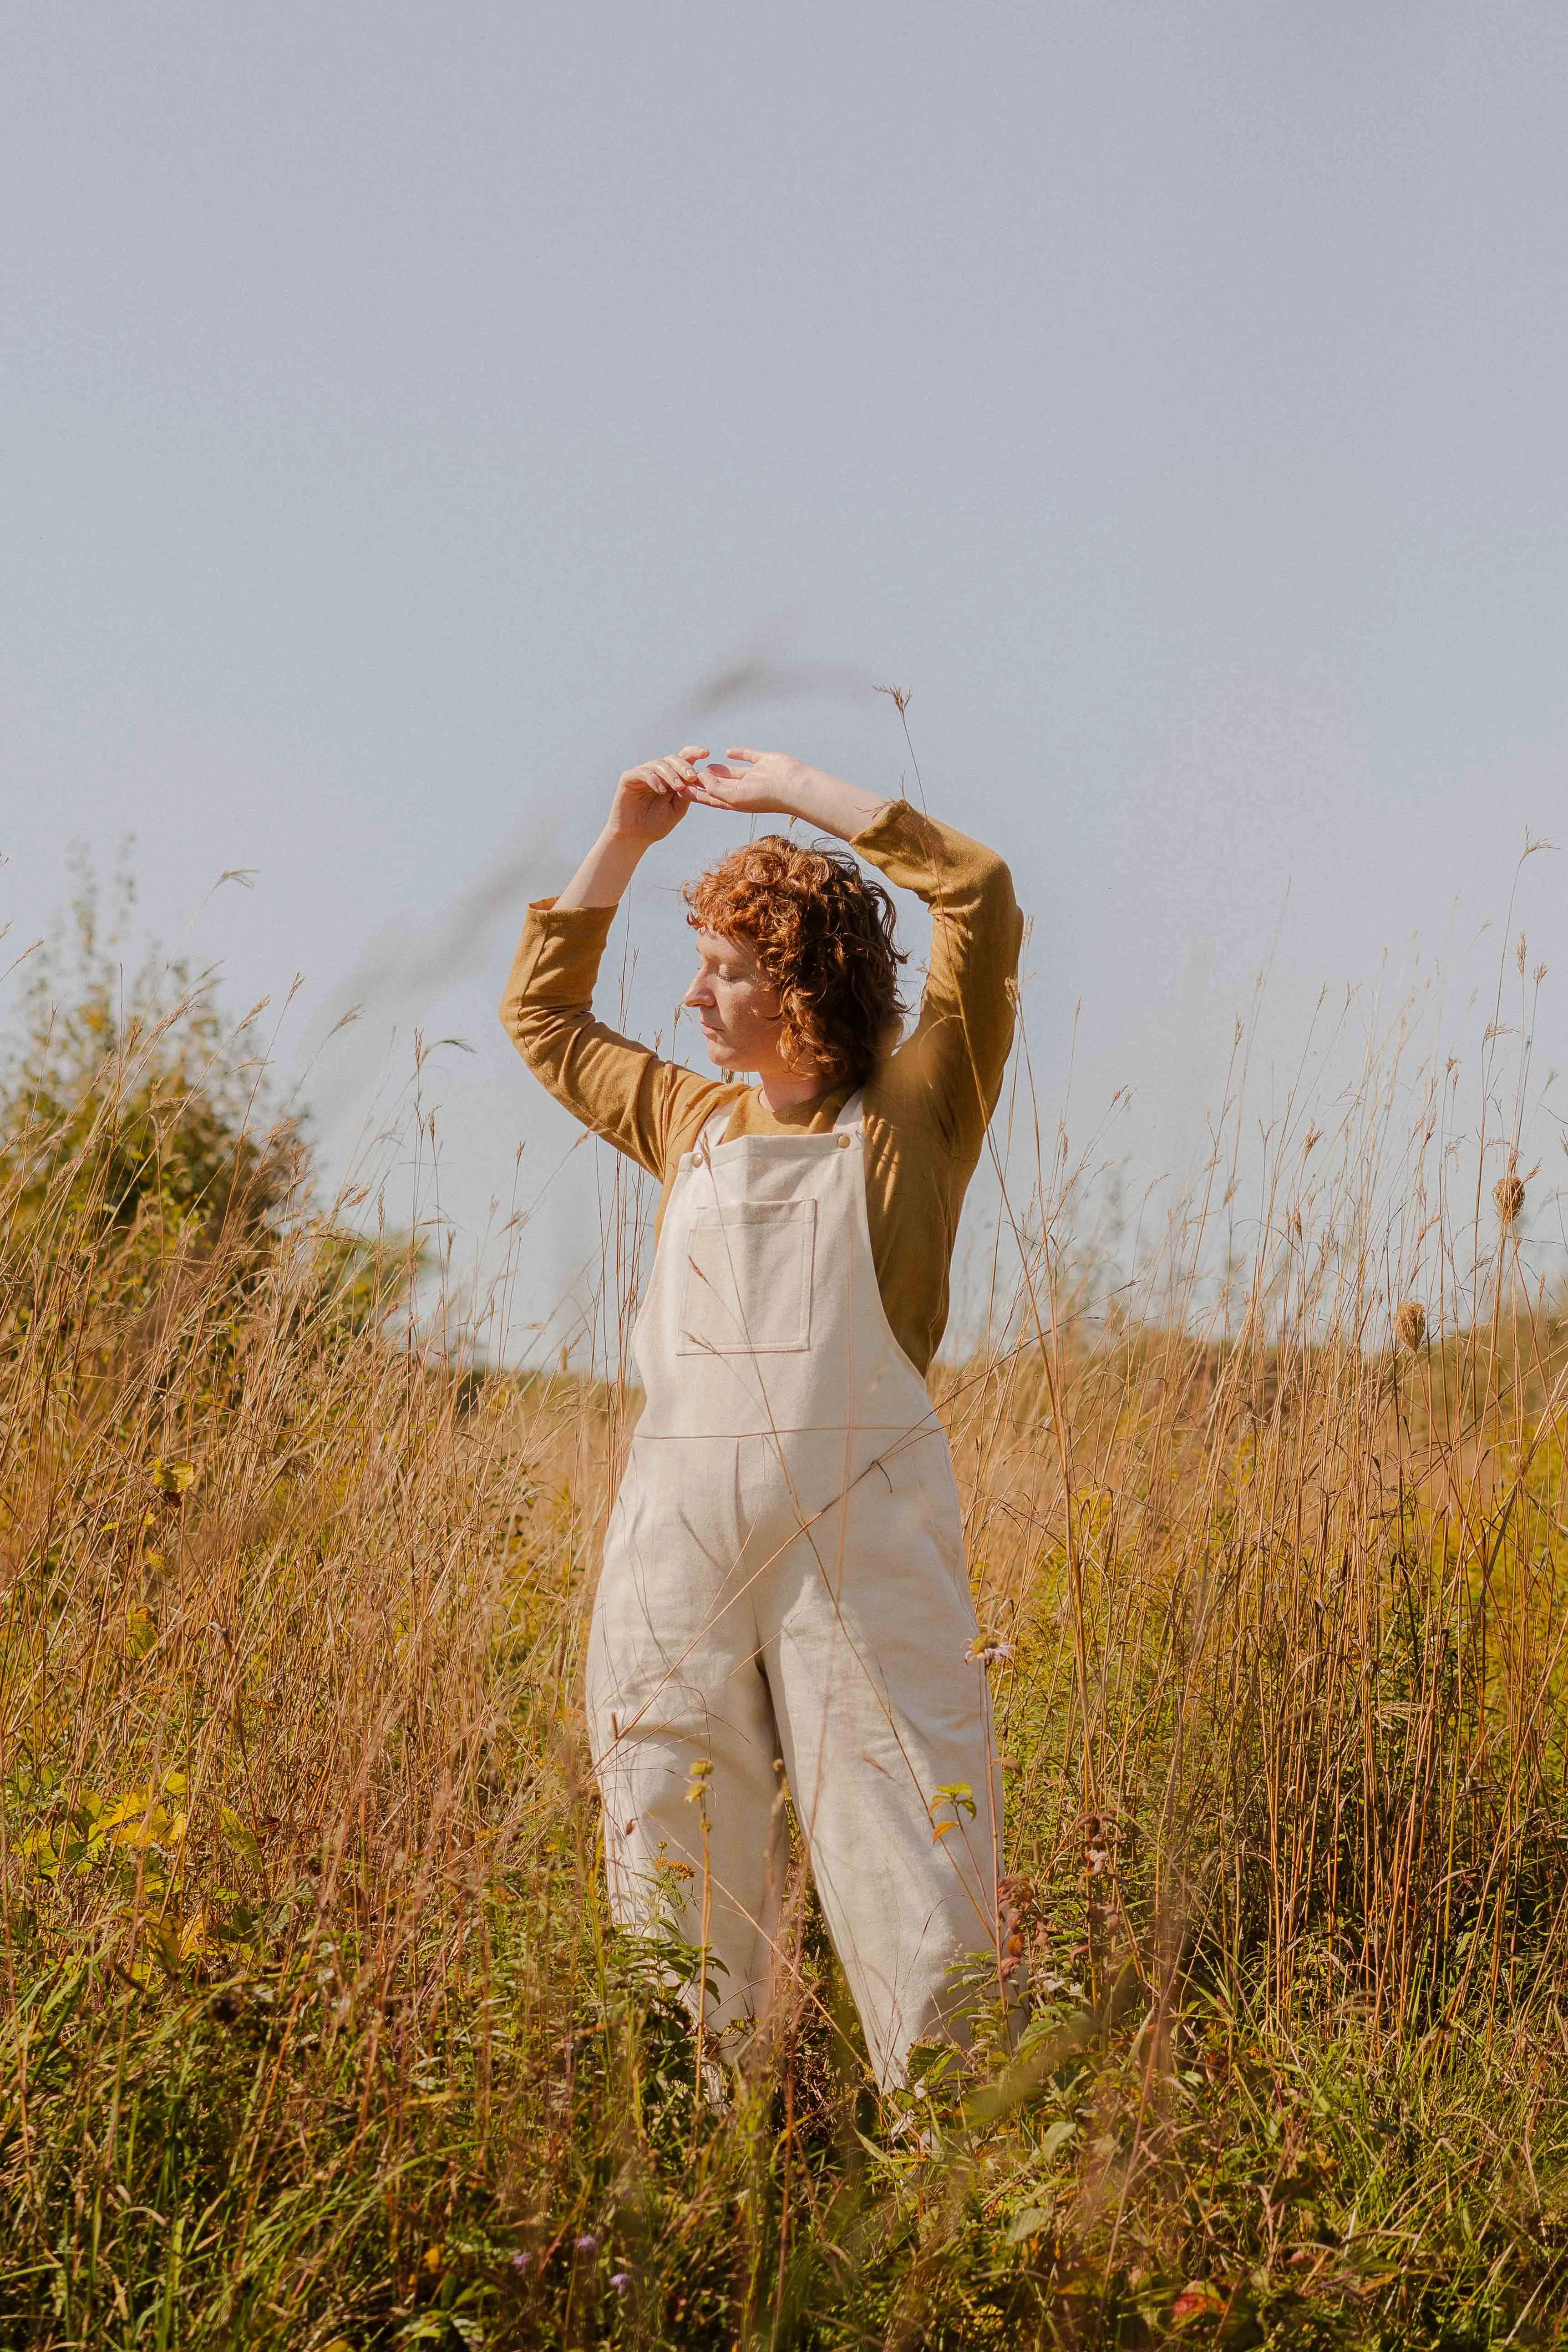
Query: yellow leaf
x=129 y=1807
x=151 y=1829
x=176 y=1783
x=141 y=1631
x=173 y=1478
x=433 y=2258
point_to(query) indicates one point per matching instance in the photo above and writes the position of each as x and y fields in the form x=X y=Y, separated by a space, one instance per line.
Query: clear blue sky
x=403 y=406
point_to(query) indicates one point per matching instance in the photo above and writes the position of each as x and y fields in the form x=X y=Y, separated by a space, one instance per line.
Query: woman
x=783 y=1587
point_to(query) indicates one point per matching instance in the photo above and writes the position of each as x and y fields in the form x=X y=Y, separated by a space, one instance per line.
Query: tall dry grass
x=314 y=2030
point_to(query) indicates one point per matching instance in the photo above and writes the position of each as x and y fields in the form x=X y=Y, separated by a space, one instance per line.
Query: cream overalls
x=784 y=1578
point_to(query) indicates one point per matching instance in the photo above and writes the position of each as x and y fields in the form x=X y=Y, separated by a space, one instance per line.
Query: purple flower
x=620 y=2281
x=587 y=2243
x=520 y=2261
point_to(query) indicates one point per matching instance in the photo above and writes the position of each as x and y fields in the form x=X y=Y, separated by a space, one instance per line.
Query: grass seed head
x=1410 y=1324
x=1509 y=1194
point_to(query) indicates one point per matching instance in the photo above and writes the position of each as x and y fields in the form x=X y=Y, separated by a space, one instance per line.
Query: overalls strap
x=713 y=1133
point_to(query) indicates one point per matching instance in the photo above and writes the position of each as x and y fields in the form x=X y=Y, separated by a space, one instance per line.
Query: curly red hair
x=823 y=934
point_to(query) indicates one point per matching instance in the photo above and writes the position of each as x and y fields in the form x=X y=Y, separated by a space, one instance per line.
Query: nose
x=699 y=994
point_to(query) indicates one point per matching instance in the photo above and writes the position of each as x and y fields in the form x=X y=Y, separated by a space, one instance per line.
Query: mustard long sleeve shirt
x=925 y=1113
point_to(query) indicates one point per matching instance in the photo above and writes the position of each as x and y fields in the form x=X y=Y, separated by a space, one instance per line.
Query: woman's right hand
x=651 y=800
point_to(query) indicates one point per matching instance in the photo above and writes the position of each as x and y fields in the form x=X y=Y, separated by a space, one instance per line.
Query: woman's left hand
x=770 y=784
x=760 y=783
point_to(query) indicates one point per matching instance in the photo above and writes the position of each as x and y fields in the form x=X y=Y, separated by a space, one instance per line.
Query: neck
x=788 y=1089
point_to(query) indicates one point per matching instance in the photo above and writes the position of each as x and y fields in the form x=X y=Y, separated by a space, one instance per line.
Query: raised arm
x=624 y=1091
x=649 y=803
x=953 y=1062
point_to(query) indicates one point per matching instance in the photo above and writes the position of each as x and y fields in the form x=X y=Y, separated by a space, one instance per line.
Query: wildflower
x=522 y=2262
x=587 y=2243
x=988 y=1650
x=620 y=2281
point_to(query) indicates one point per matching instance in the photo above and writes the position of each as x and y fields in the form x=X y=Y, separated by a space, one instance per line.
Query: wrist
x=840 y=808
x=794 y=794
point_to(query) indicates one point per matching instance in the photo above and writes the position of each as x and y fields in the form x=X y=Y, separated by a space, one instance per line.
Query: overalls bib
x=783 y=1581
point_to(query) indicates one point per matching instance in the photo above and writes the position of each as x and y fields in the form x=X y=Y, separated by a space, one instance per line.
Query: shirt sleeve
x=949 y=1069
x=648 y=1107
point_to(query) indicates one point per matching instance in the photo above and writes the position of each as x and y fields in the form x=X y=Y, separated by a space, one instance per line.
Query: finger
x=671 y=774
x=695 y=751
x=739 y=751
x=726 y=775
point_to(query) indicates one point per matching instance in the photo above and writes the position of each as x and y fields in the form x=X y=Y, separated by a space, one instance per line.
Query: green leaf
x=1027 y=2224
x=237 y=1834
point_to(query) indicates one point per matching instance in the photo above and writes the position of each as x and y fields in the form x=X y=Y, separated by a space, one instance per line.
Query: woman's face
x=737 y=1008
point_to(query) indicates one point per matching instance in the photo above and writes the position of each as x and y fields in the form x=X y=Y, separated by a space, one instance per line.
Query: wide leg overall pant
x=784 y=1582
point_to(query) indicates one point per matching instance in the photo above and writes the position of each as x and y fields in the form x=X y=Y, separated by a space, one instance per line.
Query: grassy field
x=313 y=2030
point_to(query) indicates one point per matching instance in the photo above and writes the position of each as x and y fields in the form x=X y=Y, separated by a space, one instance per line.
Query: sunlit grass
x=313 y=2030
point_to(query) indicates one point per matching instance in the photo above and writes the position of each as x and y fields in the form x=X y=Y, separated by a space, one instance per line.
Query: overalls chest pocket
x=746 y=1286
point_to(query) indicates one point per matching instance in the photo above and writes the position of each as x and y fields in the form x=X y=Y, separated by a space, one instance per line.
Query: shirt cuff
x=894 y=829
x=558 y=956
x=585 y=925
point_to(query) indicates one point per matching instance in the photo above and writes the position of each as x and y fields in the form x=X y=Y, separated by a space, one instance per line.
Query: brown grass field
x=313 y=2028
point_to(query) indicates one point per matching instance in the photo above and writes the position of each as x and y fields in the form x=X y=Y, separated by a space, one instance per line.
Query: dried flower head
x=1509 y=1194
x=989 y=1650
x=1410 y=1324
